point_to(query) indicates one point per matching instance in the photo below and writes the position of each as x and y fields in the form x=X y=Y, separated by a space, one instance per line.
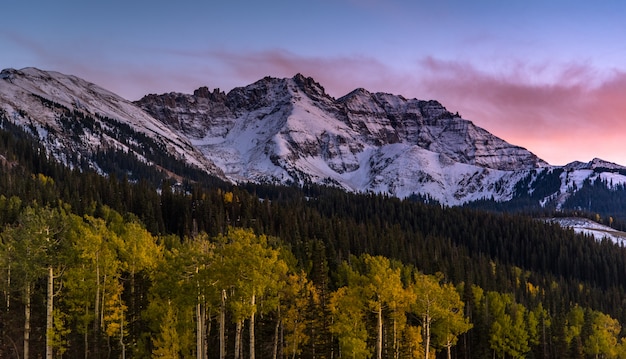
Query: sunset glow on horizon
x=547 y=76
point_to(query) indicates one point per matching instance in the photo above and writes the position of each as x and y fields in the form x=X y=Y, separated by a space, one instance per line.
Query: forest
x=96 y=266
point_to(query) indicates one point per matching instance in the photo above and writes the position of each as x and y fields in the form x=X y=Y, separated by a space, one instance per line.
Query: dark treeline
x=536 y=263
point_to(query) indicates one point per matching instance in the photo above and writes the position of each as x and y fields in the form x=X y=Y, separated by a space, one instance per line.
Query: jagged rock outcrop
x=290 y=130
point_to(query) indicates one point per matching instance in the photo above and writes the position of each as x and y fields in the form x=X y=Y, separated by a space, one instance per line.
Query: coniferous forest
x=96 y=266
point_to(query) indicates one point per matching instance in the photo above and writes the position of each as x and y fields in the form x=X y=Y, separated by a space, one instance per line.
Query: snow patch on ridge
x=592 y=228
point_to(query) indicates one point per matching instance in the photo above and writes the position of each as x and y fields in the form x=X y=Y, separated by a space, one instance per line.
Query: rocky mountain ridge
x=290 y=131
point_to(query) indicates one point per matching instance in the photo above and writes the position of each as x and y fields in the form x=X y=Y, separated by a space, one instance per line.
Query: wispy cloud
x=129 y=72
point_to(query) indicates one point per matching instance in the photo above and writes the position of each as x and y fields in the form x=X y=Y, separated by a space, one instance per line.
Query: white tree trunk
x=276 y=333
x=49 y=312
x=238 y=327
x=222 y=326
x=102 y=297
x=199 y=332
x=379 y=345
x=97 y=313
x=252 y=304
x=426 y=322
x=396 y=347
x=122 y=335
x=27 y=322
x=206 y=332
x=96 y=310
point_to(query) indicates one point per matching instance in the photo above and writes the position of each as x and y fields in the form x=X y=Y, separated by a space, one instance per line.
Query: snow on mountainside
x=44 y=100
x=589 y=227
x=576 y=174
x=291 y=131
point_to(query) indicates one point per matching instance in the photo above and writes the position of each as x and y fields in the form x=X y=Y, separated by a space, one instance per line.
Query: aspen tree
x=95 y=272
x=246 y=268
x=167 y=343
x=602 y=341
x=298 y=294
x=385 y=291
x=179 y=282
x=35 y=243
x=453 y=321
x=427 y=305
x=138 y=252
x=348 y=310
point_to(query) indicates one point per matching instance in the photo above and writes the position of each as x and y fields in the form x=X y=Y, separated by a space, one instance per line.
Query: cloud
x=129 y=72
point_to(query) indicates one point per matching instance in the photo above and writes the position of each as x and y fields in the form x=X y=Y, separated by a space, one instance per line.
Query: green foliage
x=603 y=338
x=453 y=322
x=60 y=333
x=348 y=326
x=167 y=342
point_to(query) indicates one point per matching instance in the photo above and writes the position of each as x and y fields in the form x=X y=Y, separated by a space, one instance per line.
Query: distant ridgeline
x=596 y=197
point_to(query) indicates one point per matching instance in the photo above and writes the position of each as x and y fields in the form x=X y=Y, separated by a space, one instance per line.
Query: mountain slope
x=76 y=119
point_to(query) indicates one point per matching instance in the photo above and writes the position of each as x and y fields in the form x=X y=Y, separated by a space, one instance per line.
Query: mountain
x=290 y=131
x=78 y=122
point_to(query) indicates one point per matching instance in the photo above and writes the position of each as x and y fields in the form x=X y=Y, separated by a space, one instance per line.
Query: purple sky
x=546 y=75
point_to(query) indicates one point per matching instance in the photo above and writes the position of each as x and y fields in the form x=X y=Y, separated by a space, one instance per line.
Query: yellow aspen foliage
x=167 y=343
x=114 y=312
x=532 y=289
x=299 y=292
x=348 y=325
x=412 y=337
x=59 y=333
x=45 y=180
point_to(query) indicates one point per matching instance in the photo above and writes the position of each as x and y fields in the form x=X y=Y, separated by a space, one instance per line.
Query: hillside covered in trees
x=106 y=267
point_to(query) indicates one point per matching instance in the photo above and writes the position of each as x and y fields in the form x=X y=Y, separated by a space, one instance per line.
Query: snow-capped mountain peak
x=290 y=131
x=595 y=163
